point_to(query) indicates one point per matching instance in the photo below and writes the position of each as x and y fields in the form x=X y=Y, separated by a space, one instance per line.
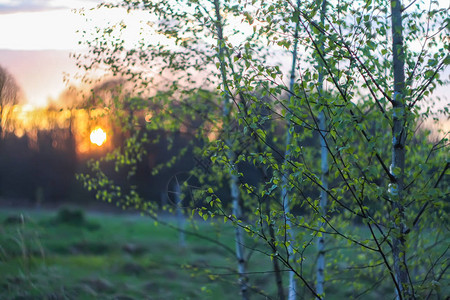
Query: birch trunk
x=240 y=255
x=292 y=289
x=320 y=267
x=399 y=132
x=323 y=203
x=234 y=187
x=292 y=293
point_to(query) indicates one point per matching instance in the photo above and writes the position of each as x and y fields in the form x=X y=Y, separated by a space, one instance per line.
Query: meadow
x=71 y=254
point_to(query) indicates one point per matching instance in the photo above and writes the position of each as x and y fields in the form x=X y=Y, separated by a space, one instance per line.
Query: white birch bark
x=399 y=132
x=292 y=293
x=320 y=267
x=240 y=254
x=234 y=187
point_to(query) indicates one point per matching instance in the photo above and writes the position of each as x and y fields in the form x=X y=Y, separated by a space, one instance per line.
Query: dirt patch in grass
x=132 y=269
x=55 y=296
x=90 y=247
x=122 y=297
x=134 y=249
x=99 y=285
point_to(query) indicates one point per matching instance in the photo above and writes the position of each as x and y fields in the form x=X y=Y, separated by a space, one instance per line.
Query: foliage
x=370 y=116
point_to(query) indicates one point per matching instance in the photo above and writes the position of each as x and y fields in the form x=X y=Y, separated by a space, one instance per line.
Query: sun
x=98 y=136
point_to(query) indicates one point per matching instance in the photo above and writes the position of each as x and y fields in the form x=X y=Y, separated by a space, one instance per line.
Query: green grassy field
x=104 y=256
x=73 y=255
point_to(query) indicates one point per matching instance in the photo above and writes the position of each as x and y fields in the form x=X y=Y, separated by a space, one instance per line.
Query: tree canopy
x=363 y=79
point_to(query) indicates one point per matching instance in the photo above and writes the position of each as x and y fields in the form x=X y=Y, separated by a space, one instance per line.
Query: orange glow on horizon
x=28 y=120
x=98 y=136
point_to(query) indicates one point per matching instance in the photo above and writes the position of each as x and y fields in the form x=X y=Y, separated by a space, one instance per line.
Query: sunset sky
x=37 y=37
x=41 y=34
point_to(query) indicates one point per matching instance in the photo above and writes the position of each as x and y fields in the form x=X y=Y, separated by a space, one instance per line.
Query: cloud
x=19 y=6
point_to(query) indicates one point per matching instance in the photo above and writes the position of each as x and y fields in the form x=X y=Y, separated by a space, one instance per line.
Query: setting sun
x=98 y=136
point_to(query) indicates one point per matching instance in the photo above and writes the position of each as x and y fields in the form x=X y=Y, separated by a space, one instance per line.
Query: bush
x=71 y=216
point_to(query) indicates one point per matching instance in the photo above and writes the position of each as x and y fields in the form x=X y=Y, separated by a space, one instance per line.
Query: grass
x=108 y=257
x=73 y=255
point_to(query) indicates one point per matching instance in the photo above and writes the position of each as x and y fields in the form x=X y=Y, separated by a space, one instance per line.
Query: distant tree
x=9 y=96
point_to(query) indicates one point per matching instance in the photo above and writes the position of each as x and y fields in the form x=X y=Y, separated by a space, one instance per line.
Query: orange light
x=148 y=117
x=98 y=136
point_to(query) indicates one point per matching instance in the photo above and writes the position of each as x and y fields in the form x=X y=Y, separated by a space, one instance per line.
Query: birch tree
x=179 y=60
x=370 y=81
x=323 y=167
x=397 y=169
x=285 y=197
x=234 y=184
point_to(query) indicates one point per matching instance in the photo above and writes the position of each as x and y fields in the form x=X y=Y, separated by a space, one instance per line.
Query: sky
x=40 y=24
x=36 y=39
x=40 y=35
x=37 y=36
